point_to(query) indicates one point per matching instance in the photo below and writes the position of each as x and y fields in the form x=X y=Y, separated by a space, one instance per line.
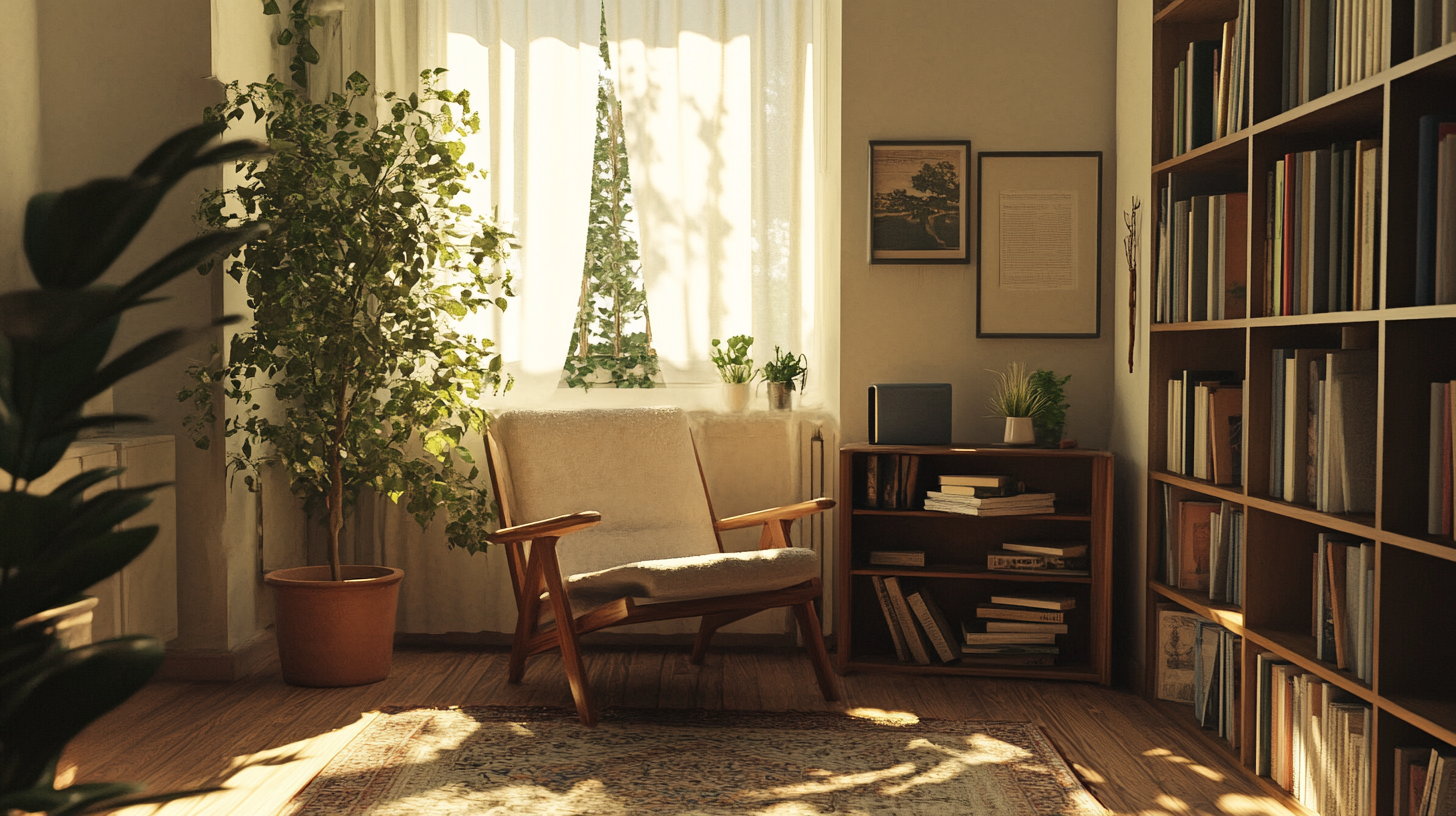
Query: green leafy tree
x=611 y=340
x=357 y=299
x=940 y=195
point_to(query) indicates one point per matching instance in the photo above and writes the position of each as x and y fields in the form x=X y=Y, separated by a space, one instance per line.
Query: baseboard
x=219 y=665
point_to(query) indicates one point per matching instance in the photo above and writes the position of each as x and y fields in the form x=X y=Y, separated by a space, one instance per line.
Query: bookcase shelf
x=1412 y=686
x=956 y=547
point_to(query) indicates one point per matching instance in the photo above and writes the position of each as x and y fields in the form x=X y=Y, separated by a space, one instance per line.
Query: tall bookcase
x=956 y=547
x=1413 y=693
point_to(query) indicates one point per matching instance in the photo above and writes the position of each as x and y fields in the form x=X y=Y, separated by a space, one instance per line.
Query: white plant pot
x=1019 y=431
x=736 y=396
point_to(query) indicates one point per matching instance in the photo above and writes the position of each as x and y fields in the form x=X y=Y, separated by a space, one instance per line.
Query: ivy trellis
x=611 y=340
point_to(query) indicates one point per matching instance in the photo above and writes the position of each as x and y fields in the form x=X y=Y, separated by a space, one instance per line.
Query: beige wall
x=19 y=134
x=1006 y=76
x=1130 y=390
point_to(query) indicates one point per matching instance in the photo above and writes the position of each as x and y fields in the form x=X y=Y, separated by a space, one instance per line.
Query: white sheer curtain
x=719 y=101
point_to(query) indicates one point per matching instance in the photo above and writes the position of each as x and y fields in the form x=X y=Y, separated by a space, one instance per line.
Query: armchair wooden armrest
x=552 y=527
x=788 y=512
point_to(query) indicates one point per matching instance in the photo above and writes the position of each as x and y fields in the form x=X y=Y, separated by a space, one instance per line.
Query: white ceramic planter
x=1019 y=431
x=736 y=396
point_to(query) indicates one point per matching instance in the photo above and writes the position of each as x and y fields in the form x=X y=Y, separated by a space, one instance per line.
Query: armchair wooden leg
x=710 y=625
x=814 y=642
x=527 y=612
x=566 y=632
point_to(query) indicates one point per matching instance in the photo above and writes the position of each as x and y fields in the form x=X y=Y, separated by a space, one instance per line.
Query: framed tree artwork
x=918 y=196
x=1039 y=245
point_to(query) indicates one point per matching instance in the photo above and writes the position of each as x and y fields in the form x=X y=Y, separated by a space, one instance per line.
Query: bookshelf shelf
x=956 y=548
x=971 y=573
x=1409 y=687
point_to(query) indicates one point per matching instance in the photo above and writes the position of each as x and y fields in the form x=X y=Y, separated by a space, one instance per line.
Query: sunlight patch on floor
x=1238 y=804
x=882 y=716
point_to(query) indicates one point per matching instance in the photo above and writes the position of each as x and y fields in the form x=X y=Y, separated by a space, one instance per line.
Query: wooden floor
x=264 y=740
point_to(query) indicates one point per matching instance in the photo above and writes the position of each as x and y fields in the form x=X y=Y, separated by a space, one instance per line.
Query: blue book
x=1426 y=194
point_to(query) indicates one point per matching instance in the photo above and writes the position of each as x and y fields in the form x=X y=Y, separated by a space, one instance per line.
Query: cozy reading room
x=728 y=406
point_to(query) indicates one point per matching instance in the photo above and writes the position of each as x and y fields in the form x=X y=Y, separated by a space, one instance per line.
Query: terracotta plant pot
x=335 y=633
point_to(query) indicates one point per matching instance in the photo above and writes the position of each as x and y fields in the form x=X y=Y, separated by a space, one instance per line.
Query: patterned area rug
x=497 y=760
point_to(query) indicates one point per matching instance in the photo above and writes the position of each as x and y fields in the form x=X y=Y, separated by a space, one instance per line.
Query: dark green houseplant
x=1052 y=418
x=55 y=341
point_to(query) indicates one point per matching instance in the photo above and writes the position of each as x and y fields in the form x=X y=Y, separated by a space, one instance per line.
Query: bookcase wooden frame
x=1082 y=480
x=1413 y=692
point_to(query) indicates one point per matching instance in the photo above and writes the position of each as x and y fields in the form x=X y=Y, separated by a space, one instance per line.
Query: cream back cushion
x=635 y=466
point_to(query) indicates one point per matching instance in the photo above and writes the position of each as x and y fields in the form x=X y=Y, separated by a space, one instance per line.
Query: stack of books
x=890 y=481
x=1203 y=547
x=1436 y=210
x=1343 y=623
x=1201 y=269
x=986 y=495
x=919 y=630
x=1199 y=663
x=1329 y=44
x=1206 y=426
x=1314 y=739
x=1322 y=429
x=1322 y=230
x=1041 y=558
x=1425 y=780
x=1210 y=86
x=1016 y=630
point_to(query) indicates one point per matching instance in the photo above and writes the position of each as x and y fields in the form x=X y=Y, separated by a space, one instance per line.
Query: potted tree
x=356 y=305
x=781 y=373
x=55 y=353
x=1053 y=417
x=1018 y=400
x=736 y=369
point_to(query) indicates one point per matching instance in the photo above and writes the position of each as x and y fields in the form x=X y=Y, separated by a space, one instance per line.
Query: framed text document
x=1039 y=246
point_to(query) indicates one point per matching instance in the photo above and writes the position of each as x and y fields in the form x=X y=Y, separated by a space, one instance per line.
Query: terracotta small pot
x=335 y=633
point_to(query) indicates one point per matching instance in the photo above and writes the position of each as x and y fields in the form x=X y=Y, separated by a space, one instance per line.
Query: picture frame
x=919 y=192
x=1039 y=244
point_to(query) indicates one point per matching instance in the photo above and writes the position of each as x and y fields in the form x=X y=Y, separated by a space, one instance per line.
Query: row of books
x=1343 y=623
x=1011 y=630
x=1314 y=739
x=1203 y=547
x=1425 y=781
x=1202 y=257
x=1329 y=44
x=1322 y=230
x=1440 y=488
x=1199 y=664
x=1205 y=425
x=1435 y=24
x=1210 y=86
x=890 y=481
x=1034 y=557
x=1436 y=211
x=1322 y=429
x=987 y=495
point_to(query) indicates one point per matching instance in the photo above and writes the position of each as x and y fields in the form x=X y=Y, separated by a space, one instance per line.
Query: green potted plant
x=781 y=373
x=1048 y=424
x=55 y=343
x=356 y=307
x=736 y=369
x=1016 y=399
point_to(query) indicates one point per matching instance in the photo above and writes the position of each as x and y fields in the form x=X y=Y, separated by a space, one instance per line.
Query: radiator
x=818 y=472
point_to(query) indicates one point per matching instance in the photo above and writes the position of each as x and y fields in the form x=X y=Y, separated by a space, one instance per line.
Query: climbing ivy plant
x=611 y=340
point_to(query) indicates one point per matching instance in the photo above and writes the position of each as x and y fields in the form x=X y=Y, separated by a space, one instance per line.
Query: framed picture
x=1039 y=245
x=918 y=195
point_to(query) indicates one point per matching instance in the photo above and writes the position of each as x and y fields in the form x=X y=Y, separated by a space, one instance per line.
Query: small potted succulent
x=1019 y=401
x=781 y=373
x=736 y=369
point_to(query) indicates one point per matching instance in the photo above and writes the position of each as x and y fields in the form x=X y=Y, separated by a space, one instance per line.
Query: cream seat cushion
x=638 y=468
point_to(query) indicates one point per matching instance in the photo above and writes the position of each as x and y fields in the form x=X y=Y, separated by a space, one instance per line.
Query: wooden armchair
x=648 y=550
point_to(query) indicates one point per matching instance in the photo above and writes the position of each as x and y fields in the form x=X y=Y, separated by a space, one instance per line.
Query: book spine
x=948 y=651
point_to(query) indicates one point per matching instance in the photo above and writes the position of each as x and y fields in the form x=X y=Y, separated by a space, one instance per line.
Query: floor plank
x=265 y=739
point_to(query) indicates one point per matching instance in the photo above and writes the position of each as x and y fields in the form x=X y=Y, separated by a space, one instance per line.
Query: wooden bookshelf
x=1412 y=691
x=956 y=547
